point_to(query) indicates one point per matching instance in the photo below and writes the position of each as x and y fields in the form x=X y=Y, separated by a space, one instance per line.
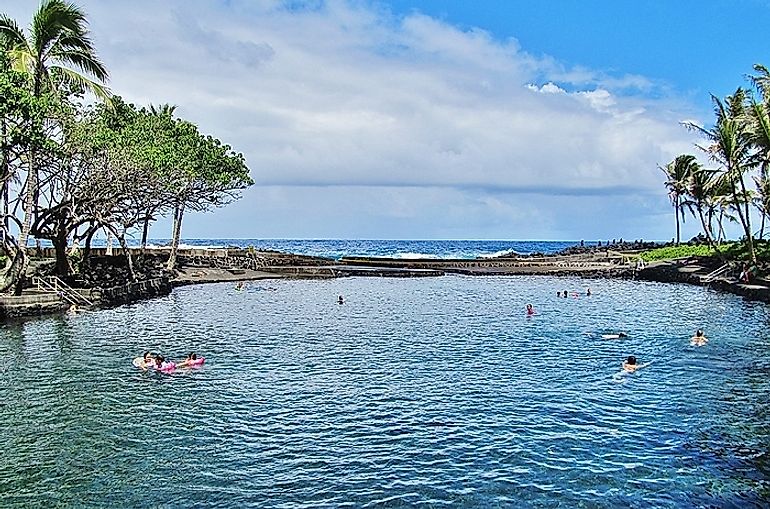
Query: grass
x=673 y=252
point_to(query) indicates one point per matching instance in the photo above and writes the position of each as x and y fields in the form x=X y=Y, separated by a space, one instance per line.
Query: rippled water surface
x=433 y=392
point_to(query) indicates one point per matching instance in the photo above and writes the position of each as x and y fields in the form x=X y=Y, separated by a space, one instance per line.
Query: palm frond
x=762 y=81
x=11 y=36
x=84 y=61
x=75 y=78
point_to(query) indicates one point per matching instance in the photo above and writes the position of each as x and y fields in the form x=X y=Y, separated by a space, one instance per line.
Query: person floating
x=162 y=365
x=699 y=339
x=191 y=360
x=340 y=300
x=530 y=310
x=145 y=361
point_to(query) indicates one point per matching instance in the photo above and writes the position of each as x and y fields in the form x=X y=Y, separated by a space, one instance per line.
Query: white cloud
x=346 y=94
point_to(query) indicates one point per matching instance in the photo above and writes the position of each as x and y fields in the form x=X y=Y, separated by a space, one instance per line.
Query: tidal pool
x=415 y=392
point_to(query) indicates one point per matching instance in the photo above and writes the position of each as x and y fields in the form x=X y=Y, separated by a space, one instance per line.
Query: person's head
x=158 y=360
x=192 y=356
x=146 y=355
x=529 y=306
x=622 y=335
x=699 y=333
x=631 y=360
x=558 y=294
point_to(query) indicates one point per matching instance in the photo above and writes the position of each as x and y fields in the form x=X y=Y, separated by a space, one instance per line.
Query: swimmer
x=144 y=362
x=530 y=310
x=162 y=365
x=239 y=286
x=73 y=309
x=630 y=365
x=588 y=292
x=558 y=294
x=340 y=300
x=699 y=339
x=191 y=360
x=619 y=335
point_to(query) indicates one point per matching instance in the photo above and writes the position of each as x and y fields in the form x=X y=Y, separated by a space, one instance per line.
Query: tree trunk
x=87 y=248
x=13 y=277
x=676 y=214
x=176 y=234
x=60 y=248
x=144 y=235
x=129 y=258
x=709 y=237
x=108 y=251
x=746 y=221
x=5 y=172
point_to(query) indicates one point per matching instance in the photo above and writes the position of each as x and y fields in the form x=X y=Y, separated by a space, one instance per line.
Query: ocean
x=337 y=248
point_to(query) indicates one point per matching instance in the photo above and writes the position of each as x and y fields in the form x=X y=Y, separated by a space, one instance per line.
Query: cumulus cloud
x=347 y=95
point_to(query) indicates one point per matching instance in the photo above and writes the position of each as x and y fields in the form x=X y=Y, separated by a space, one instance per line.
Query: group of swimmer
x=574 y=294
x=157 y=362
x=240 y=286
x=630 y=364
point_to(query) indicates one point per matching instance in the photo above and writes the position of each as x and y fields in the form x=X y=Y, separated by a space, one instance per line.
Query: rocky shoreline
x=104 y=283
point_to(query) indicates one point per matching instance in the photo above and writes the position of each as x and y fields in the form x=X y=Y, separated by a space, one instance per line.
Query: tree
x=58 y=55
x=731 y=148
x=700 y=197
x=208 y=174
x=677 y=174
x=757 y=119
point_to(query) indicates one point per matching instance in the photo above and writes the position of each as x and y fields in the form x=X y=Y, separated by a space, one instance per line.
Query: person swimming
x=699 y=339
x=617 y=335
x=340 y=300
x=530 y=310
x=630 y=364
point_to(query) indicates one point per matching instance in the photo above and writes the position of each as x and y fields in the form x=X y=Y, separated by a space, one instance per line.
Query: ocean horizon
x=406 y=249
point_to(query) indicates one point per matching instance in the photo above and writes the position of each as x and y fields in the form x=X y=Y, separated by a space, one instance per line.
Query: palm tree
x=758 y=126
x=677 y=173
x=701 y=198
x=730 y=147
x=57 y=52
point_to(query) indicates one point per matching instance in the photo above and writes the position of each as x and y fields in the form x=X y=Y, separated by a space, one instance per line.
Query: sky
x=440 y=119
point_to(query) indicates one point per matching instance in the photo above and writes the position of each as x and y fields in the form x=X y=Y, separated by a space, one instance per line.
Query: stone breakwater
x=104 y=283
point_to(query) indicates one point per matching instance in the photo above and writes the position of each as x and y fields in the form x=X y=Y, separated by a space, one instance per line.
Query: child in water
x=145 y=361
x=191 y=360
x=698 y=339
x=630 y=365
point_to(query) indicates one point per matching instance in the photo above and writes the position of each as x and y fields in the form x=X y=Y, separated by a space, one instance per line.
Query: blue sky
x=436 y=119
x=692 y=48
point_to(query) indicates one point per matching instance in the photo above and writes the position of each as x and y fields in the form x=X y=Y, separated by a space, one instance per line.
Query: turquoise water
x=416 y=392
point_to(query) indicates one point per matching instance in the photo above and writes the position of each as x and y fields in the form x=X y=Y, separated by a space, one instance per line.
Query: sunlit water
x=416 y=392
